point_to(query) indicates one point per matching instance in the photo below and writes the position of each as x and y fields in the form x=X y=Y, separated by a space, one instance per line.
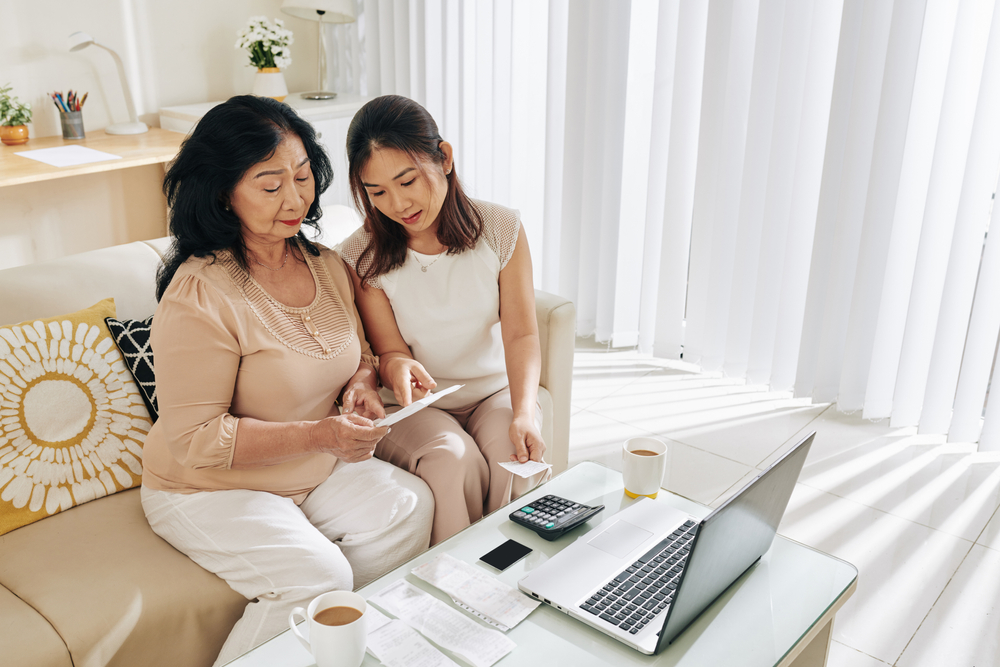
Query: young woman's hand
x=350 y=437
x=408 y=379
x=528 y=443
x=361 y=398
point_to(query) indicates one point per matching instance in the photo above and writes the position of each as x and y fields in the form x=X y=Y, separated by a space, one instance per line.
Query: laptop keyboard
x=636 y=596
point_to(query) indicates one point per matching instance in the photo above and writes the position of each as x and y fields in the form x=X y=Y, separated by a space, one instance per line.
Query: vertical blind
x=795 y=193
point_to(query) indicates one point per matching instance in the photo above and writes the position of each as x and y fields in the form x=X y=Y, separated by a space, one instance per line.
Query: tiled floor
x=916 y=515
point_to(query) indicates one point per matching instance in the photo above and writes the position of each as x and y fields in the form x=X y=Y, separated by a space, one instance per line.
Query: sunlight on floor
x=916 y=515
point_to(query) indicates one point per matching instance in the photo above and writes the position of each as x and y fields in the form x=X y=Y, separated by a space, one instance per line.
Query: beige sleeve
x=197 y=356
x=350 y=251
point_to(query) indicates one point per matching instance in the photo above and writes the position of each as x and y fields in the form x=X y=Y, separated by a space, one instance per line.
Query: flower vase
x=13 y=135
x=270 y=82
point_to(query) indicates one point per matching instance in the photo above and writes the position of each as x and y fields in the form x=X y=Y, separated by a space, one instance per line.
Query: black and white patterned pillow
x=132 y=339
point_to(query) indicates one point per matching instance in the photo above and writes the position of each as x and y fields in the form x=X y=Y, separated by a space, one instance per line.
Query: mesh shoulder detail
x=500 y=228
x=352 y=247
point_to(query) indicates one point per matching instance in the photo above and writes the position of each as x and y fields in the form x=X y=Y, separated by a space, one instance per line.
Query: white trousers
x=364 y=520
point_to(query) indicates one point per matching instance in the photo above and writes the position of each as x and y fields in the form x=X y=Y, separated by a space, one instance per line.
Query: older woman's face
x=275 y=195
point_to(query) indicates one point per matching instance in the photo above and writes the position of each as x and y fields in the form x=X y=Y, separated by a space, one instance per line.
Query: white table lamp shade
x=321 y=11
x=334 y=11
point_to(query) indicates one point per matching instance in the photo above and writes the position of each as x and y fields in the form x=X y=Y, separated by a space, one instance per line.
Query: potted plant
x=14 y=117
x=267 y=45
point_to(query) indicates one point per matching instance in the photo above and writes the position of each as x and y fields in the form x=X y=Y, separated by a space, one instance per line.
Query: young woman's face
x=275 y=195
x=406 y=192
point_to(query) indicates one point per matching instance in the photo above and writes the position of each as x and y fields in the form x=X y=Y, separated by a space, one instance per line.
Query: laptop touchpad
x=620 y=539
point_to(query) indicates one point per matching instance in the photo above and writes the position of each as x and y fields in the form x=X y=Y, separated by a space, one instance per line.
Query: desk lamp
x=81 y=40
x=321 y=11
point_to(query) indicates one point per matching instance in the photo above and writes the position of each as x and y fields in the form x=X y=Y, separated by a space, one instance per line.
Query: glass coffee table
x=779 y=613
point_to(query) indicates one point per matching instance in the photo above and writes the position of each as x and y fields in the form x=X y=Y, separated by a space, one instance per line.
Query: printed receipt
x=396 y=644
x=479 y=592
x=526 y=469
x=438 y=622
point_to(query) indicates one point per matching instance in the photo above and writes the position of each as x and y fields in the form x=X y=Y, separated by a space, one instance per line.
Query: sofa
x=92 y=585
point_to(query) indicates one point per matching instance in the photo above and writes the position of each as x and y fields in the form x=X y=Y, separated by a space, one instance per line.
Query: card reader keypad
x=644 y=589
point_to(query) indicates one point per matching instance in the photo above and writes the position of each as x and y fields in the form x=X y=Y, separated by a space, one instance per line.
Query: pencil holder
x=72 y=124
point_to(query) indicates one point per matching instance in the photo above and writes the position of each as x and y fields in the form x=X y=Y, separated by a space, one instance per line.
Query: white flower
x=266 y=42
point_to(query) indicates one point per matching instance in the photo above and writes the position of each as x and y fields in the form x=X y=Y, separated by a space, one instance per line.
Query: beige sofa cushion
x=19 y=621
x=116 y=593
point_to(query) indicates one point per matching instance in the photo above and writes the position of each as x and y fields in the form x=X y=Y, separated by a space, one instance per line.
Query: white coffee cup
x=643 y=473
x=334 y=645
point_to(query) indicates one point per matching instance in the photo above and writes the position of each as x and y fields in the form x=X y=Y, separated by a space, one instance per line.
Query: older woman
x=251 y=469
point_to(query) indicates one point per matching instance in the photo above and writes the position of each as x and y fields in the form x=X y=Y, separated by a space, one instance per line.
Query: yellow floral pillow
x=72 y=421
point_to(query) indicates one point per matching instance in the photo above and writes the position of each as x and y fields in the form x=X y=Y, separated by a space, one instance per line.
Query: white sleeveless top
x=447 y=307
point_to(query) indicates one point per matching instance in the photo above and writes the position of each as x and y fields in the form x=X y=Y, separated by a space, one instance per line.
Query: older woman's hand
x=361 y=398
x=350 y=437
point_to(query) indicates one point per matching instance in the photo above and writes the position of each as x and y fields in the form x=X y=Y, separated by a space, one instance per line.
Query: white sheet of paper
x=479 y=591
x=398 y=645
x=526 y=469
x=444 y=626
x=68 y=156
x=416 y=406
x=375 y=619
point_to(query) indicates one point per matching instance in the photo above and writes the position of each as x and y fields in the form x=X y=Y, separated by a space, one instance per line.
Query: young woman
x=443 y=284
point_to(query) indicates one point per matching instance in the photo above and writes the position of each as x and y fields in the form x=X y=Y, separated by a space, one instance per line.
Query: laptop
x=650 y=570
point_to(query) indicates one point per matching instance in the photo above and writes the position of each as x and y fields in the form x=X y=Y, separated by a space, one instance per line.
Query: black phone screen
x=505 y=555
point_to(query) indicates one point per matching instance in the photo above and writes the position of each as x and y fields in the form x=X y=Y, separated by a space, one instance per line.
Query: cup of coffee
x=338 y=631
x=644 y=465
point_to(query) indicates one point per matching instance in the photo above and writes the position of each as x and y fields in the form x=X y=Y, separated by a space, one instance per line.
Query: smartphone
x=505 y=555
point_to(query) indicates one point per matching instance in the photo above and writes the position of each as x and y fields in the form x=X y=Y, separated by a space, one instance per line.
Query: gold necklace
x=268 y=267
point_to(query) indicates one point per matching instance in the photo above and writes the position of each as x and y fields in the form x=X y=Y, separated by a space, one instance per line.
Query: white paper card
x=415 y=406
x=68 y=156
x=446 y=627
x=526 y=469
x=398 y=645
x=481 y=593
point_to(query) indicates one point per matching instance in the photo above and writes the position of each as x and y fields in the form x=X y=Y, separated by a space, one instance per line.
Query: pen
x=83 y=99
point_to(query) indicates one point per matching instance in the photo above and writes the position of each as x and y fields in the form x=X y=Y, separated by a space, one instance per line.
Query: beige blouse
x=225 y=349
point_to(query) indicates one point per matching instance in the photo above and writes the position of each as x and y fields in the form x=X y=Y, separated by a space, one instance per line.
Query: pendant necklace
x=422 y=266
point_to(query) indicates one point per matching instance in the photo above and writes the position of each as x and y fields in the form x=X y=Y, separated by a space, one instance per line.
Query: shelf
x=155 y=146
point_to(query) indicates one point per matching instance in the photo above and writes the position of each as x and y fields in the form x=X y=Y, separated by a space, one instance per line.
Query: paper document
x=68 y=156
x=446 y=627
x=396 y=644
x=526 y=469
x=479 y=592
x=416 y=406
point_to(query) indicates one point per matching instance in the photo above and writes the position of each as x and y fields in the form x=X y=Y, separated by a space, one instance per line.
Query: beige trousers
x=364 y=520
x=457 y=452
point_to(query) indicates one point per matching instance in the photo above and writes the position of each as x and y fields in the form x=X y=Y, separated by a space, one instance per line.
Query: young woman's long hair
x=393 y=121
x=226 y=143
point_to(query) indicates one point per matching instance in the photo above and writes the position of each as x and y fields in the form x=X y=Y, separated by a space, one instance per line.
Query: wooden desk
x=155 y=146
x=48 y=212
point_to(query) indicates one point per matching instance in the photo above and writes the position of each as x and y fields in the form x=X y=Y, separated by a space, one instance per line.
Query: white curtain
x=798 y=193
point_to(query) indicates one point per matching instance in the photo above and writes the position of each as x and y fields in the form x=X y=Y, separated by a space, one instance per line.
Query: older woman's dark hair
x=230 y=139
x=393 y=121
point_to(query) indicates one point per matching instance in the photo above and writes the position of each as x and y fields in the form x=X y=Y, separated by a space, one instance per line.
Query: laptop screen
x=732 y=538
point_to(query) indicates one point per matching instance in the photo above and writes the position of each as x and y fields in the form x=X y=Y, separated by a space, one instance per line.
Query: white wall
x=175 y=52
